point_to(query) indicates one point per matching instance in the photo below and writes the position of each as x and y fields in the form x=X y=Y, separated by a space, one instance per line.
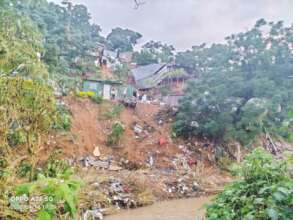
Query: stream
x=184 y=209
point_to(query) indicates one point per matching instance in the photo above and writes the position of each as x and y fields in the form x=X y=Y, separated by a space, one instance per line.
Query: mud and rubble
x=148 y=166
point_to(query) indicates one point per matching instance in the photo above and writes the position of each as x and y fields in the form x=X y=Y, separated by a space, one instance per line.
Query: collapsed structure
x=158 y=81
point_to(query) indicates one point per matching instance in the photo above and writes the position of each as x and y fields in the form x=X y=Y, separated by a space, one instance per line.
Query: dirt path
x=185 y=209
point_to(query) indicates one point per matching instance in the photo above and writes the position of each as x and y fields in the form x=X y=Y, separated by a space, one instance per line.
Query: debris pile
x=142 y=130
x=166 y=115
x=107 y=163
x=183 y=187
x=106 y=195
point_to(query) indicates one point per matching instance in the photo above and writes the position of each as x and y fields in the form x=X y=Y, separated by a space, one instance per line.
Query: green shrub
x=16 y=138
x=114 y=112
x=116 y=134
x=24 y=169
x=97 y=99
x=56 y=165
x=55 y=196
x=263 y=192
x=31 y=106
x=286 y=130
x=63 y=119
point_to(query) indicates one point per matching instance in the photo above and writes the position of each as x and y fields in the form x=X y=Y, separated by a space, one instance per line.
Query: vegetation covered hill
x=243 y=88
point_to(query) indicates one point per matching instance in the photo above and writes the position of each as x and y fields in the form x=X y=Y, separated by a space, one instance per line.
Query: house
x=109 y=58
x=108 y=89
x=159 y=79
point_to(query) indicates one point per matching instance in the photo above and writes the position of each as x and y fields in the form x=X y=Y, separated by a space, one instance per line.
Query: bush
x=116 y=134
x=263 y=192
x=55 y=165
x=97 y=99
x=63 y=119
x=55 y=196
x=286 y=130
x=28 y=109
x=114 y=112
x=88 y=94
x=16 y=138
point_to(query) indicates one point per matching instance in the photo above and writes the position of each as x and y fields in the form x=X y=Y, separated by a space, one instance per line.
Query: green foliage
x=116 y=134
x=63 y=119
x=114 y=112
x=24 y=169
x=122 y=39
x=121 y=72
x=53 y=192
x=144 y=57
x=154 y=52
x=28 y=109
x=61 y=36
x=286 y=130
x=20 y=46
x=97 y=99
x=56 y=196
x=55 y=166
x=263 y=192
x=242 y=88
x=65 y=84
x=16 y=138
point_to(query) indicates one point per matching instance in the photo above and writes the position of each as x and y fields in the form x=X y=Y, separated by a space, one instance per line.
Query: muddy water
x=186 y=209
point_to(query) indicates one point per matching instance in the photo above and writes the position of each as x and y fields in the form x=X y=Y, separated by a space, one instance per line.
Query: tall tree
x=122 y=39
x=154 y=52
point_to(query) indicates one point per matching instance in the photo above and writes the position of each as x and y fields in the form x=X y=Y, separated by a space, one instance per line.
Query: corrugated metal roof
x=154 y=80
x=146 y=71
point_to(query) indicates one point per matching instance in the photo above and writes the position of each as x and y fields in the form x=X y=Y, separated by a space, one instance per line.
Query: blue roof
x=146 y=71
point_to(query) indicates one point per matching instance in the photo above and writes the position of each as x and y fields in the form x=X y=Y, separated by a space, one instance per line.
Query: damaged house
x=108 y=58
x=162 y=81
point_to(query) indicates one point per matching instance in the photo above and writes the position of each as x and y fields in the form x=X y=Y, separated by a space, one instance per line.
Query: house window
x=92 y=86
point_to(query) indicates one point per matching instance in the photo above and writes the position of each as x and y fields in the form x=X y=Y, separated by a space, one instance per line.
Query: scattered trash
x=162 y=141
x=114 y=168
x=93 y=214
x=183 y=187
x=102 y=163
x=137 y=129
x=151 y=161
x=192 y=162
x=165 y=115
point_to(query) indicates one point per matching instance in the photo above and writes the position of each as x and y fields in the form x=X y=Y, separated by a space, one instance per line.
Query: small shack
x=108 y=89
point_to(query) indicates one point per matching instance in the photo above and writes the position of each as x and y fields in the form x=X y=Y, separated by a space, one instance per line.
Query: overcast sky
x=185 y=23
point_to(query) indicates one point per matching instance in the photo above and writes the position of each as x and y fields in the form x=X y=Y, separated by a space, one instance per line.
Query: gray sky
x=184 y=23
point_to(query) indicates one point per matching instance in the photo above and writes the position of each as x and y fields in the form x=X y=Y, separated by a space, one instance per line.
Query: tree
x=20 y=46
x=242 y=89
x=122 y=39
x=154 y=52
x=70 y=40
x=144 y=57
